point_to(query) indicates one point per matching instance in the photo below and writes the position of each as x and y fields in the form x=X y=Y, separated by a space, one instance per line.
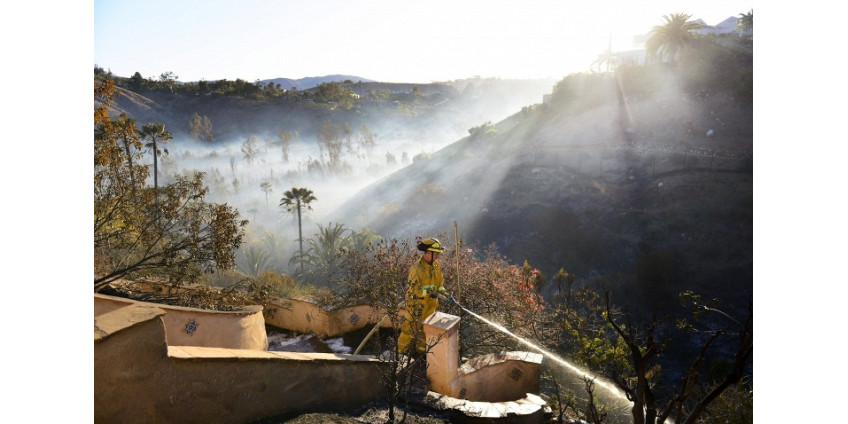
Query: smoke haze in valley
x=237 y=180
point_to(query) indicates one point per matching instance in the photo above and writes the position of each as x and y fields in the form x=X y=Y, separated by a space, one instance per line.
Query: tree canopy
x=140 y=231
x=745 y=24
x=298 y=200
x=670 y=38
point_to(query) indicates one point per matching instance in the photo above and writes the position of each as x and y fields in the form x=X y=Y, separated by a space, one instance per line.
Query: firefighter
x=424 y=285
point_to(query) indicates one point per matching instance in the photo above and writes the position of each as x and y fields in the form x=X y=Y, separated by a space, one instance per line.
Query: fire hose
x=379 y=323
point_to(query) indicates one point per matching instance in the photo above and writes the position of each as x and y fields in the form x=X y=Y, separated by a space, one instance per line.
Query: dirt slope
x=648 y=196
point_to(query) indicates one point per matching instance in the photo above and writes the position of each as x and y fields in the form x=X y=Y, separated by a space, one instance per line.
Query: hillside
x=643 y=185
x=645 y=194
x=443 y=112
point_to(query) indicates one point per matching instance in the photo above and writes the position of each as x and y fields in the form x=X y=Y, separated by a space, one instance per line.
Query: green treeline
x=331 y=93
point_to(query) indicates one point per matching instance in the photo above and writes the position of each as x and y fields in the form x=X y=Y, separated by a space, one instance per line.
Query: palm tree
x=257 y=260
x=362 y=239
x=323 y=254
x=669 y=39
x=127 y=133
x=155 y=133
x=267 y=188
x=297 y=199
x=745 y=24
x=273 y=244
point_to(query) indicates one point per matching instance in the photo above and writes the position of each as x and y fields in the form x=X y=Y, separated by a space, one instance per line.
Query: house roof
x=726 y=26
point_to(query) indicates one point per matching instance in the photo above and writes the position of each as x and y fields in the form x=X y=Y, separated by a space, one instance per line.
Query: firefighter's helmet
x=431 y=245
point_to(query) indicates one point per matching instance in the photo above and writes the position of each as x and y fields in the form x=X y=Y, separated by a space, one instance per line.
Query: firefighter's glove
x=426 y=289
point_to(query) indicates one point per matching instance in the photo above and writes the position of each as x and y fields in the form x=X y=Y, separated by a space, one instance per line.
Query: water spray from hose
x=611 y=388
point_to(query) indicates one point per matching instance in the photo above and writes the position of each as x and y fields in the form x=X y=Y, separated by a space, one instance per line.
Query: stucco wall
x=138 y=378
x=496 y=377
x=304 y=316
x=243 y=329
x=151 y=367
x=499 y=377
x=300 y=315
x=297 y=315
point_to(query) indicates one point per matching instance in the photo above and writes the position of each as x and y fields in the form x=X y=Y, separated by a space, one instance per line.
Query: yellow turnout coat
x=423 y=284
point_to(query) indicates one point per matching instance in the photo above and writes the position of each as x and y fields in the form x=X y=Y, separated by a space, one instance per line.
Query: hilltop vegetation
x=238 y=109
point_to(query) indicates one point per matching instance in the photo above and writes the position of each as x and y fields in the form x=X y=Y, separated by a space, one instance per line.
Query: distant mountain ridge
x=311 y=82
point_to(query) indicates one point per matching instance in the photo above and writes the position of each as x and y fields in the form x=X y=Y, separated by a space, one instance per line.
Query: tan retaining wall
x=154 y=364
x=304 y=316
x=300 y=314
x=138 y=378
x=244 y=329
x=499 y=377
x=496 y=377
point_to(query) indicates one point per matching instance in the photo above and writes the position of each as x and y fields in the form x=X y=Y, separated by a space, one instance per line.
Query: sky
x=383 y=40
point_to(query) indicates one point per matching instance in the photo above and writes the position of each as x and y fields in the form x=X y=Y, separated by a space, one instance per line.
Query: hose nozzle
x=448 y=299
